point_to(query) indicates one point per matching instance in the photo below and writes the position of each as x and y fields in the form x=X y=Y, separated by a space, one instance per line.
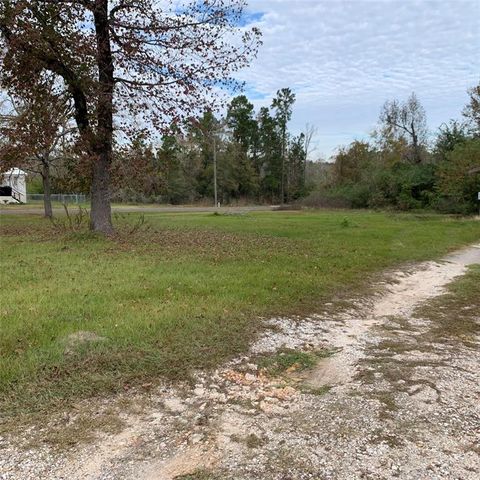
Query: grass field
x=184 y=293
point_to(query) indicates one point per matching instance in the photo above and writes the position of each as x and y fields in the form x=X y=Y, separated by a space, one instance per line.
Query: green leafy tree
x=449 y=136
x=176 y=169
x=296 y=166
x=459 y=178
x=352 y=162
x=244 y=132
x=270 y=152
x=241 y=121
x=283 y=104
x=204 y=137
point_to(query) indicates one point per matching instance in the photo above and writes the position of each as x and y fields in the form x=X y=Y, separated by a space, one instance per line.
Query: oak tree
x=126 y=65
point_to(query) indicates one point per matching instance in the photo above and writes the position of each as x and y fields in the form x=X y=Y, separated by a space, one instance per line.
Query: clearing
x=381 y=382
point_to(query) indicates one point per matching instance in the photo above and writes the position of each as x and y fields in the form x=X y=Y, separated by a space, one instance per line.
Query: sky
x=344 y=59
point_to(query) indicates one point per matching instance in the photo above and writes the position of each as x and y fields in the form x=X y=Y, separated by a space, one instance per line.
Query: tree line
x=401 y=167
x=257 y=159
x=255 y=156
x=89 y=83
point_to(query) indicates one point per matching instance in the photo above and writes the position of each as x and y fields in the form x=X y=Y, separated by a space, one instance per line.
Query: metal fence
x=67 y=198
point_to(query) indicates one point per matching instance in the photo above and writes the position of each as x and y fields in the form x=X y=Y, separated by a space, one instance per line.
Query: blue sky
x=343 y=59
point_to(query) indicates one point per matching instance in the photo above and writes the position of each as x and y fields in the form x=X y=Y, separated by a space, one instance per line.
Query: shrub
x=458 y=181
x=325 y=199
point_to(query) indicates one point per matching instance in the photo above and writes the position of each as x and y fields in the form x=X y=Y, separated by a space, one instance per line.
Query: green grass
x=198 y=475
x=185 y=294
x=284 y=359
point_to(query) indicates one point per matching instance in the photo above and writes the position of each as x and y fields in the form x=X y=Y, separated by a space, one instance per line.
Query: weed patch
x=198 y=475
x=315 y=390
x=287 y=360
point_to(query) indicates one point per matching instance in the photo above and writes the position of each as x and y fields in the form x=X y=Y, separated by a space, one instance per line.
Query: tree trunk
x=101 y=211
x=47 y=199
x=417 y=158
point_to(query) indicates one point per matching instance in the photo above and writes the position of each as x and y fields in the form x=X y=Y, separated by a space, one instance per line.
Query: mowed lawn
x=185 y=293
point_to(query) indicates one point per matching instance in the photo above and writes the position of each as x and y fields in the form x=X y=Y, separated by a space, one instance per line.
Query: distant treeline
x=400 y=168
x=258 y=160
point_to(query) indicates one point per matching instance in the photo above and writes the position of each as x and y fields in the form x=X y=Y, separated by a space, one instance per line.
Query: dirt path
x=38 y=209
x=389 y=402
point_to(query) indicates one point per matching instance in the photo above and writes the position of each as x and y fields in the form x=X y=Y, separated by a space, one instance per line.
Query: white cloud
x=343 y=59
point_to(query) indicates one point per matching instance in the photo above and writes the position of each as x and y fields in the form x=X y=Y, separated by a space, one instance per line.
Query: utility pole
x=282 y=186
x=215 y=170
x=211 y=136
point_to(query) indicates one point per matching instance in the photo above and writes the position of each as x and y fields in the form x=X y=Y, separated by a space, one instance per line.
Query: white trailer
x=13 y=186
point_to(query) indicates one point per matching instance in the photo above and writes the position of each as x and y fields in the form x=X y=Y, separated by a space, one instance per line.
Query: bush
x=325 y=199
x=451 y=205
x=403 y=186
x=458 y=182
x=357 y=194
